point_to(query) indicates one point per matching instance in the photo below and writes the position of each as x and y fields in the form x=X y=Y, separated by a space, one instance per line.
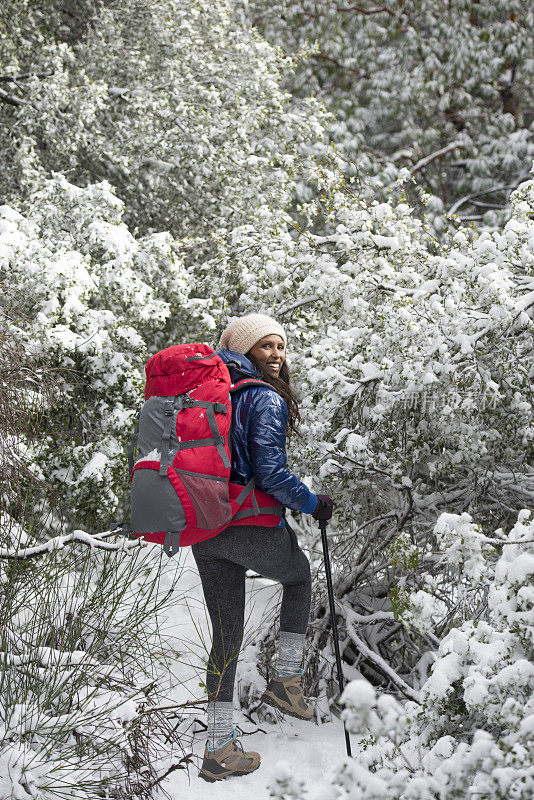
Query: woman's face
x=270 y=351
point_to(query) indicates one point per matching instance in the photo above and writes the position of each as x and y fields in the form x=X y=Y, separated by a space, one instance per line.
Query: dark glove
x=325 y=506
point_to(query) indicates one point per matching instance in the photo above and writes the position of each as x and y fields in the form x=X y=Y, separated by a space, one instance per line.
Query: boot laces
x=237 y=743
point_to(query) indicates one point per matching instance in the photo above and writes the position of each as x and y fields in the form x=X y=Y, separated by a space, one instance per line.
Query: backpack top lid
x=181 y=368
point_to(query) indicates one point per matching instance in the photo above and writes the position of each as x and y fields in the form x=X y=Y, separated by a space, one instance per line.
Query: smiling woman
x=254 y=346
x=270 y=351
x=268 y=356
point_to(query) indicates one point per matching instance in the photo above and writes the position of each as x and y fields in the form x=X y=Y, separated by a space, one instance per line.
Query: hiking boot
x=285 y=693
x=227 y=760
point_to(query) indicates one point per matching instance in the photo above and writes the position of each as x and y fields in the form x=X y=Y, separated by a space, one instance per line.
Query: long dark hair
x=282 y=384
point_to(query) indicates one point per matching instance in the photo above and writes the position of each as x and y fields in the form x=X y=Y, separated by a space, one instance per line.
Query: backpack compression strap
x=171 y=545
x=182 y=401
x=133 y=444
x=177 y=404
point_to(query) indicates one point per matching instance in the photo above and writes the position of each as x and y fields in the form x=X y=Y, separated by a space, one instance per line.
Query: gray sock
x=290 y=650
x=220 y=724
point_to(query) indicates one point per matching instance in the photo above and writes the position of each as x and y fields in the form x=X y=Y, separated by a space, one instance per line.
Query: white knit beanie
x=243 y=333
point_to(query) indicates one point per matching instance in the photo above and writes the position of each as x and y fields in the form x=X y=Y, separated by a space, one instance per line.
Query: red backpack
x=180 y=479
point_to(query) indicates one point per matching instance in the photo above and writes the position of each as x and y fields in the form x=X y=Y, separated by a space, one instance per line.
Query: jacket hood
x=238 y=365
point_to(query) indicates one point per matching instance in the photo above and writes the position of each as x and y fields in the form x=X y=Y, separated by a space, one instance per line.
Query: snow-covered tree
x=94 y=299
x=81 y=663
x=178 y=104
x=414 y=362
x=471 y=733
x=444 y=89
x=413 y=353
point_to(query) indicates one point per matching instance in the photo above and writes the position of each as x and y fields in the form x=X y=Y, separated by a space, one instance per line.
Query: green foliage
x=404 y=554
x=400 y=601
x=79 y=660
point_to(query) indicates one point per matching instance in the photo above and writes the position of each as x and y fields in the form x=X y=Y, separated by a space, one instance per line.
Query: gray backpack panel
x=155 y=506
x=151 y=422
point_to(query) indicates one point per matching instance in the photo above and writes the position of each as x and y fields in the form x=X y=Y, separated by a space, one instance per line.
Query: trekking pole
x=323 y=524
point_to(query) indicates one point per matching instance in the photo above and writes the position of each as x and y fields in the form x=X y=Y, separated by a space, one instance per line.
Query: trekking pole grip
x=322 y=524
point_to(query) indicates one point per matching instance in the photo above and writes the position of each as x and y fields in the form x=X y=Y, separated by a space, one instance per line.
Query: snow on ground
x=310 y=750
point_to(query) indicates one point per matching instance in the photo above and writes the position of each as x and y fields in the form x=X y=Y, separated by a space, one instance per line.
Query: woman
x=254 y=346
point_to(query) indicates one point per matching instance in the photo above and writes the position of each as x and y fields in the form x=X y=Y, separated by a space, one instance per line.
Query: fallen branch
x=378 y=661
x=366 y=619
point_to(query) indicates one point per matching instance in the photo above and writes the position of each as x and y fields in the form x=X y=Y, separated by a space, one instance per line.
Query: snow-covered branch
x=5 y=97
x=375 y=658
x=424 y=162
x=298 y=303
x=81 y=537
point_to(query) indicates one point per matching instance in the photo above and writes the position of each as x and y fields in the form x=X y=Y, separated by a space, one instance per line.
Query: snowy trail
x=310 y=750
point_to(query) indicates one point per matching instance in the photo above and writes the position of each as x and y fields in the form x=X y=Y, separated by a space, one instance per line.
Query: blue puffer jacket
x=259 y=421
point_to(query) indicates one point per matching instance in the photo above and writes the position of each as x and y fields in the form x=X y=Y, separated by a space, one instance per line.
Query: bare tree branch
x=10 y=100
x=433 y=156
x=338 y=64
x=312 y=299
x=505 y=187
x=174 y=706
x=25 y=76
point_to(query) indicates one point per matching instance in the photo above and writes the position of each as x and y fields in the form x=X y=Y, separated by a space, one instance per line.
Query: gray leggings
x=222 y=562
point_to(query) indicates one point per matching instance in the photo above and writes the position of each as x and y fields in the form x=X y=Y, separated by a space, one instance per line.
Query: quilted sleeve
x=267 y=442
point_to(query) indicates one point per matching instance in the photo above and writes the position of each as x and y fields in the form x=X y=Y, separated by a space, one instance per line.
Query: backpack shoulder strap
x=246 y=382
